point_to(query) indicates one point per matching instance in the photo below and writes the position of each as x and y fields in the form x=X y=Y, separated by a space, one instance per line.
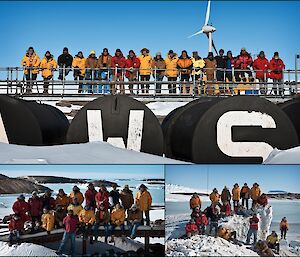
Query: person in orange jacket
x=48 y=64
x=48 y=220
x=185 y=65
x=284 y=227
x=31 y=63
x=76 y=193
x=144 y=201
x=236 y=194
x=255 y=194
x=195 y=201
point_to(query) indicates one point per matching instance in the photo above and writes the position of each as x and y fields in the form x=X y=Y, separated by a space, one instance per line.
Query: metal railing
x=191 y=82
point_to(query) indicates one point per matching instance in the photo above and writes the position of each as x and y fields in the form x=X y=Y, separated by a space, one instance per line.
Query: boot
x=112 y=239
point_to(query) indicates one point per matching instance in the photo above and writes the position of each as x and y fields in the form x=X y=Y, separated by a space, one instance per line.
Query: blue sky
x=86 y=171
x=269 y=177
x=160 y=26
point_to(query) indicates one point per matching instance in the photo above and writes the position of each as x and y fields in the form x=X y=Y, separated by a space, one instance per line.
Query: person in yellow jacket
x=145 y=68
x=143 y=200
x=87 y=219
x=79 y=69
x=76 y=193
x=48 y=64
x=255 y=193
x=31 y=63
x=236 y=195
x=215 y=197
x=117 y=219
x=171 y=70
x=48 y=220
x=273 y=241
x=226 y=234
x=198 y=65
x=284 y=227
x=75 y=207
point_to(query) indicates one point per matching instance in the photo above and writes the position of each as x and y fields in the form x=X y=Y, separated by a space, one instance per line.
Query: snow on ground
x=289 y=156
x=164 y=108
x=171 y=188
x=92 y=153
x=25 y=249
x=64 y=109
x=205 y=246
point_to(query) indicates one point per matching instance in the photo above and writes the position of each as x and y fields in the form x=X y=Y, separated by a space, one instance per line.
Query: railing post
x=155 y=82
x=194 y=81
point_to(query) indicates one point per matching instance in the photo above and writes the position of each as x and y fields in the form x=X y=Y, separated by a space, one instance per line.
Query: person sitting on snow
x=273 y=241
x=227 y=234
x=284 y=227
x=262 y=249
x=15 y=227
x=244 y=212
x=253 y=229
x=225 y=209
x=191 y=229
x=200 y=219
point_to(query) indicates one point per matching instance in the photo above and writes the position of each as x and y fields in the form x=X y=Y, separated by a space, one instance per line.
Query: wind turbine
x=208 y=30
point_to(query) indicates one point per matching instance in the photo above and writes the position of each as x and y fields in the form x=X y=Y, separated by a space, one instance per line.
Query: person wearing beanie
x=118 y=66
x=31 y=63
x=145 y=69
x=171 y=70
x=79 y=69
x=158 y=71
x=210 y=68
x=105 y=73
x=276 y=67
x=132 y=66
x=48 y=65
x=91 y=70
x=64 y=62
x=261 y=66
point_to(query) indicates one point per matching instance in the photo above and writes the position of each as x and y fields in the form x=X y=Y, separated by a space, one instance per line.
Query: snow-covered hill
x=171 y=189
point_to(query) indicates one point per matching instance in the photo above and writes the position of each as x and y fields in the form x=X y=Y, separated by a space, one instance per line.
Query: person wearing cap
x=76 y=193
x=90 y=195
x=245 y=195
x=253 y=228
x=134 y=220
x=236 y=195
x=21 y=207
x=118 y=64
x=91 y=70
x=48 y=220
x=255 y=193
x=36 y=208
x=62 y=199
x=70 y=223
x=79 y=69
x=195 y=201
x=102 y=197
x=158 y=66
x=64 y=62
x=143 y=200
x=198 y=65
x=48 y=201
x=31 y=63
x=15 y=227
x=243 y=63
x=210 y=68
x=126 y=197
x=87 y=219
x=171 y=70
x=105 y=73
x=132 y=65
x=117 y=219
x=261 y=66
x=273 y=241
x=102 y=219
x=114 y=195
x=48 y=65
x=75 y=206
x=276 y=73
x=191 y=229
x=145 y=69
x=185 y=65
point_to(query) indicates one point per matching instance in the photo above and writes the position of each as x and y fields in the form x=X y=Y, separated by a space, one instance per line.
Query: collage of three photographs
x=151 y=128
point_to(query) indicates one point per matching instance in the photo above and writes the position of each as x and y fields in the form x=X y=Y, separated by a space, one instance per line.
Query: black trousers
x=145 y=78
x=29 y=81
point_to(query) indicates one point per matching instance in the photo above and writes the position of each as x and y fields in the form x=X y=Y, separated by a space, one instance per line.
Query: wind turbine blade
x=207 y=13
x=197 y=33
x=213 y=44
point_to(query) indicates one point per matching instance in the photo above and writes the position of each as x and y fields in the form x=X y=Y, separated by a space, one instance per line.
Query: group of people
x=103 y=208
x=204 y=222
x=220 y=68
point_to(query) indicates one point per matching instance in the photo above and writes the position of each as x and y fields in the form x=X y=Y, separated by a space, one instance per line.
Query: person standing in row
x=79 y=69
x=245 y=195
x=158 y=71
x=185 y=65
x=64 y=62
x=126 y=197
x=198 y=65
x=144 y=201
x=91 y=70
x=277 y=66
x=132 y=65
x=171 y=70
x=90 y=195
x=261 y=66
x=105 y=73
x=118 y=64
x=210 y=66
x=145 y=69
x=220 y=73
x=48 y=64
x=236 y=195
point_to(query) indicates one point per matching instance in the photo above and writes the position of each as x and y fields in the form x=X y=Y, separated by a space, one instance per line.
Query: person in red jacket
x=201 y=219
x=102 y=197
x=253 y=229
x=191 y=229
x=276 y=73
x=36 y=208
x=261 y=66
x=70 y=223
x=118 y=63
x=20 y=207
x=90 y=195
x=263 y=200
x=243 y=62
x=132 y=65
x=48 y=201
x=15 y=226
x=225 y=209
